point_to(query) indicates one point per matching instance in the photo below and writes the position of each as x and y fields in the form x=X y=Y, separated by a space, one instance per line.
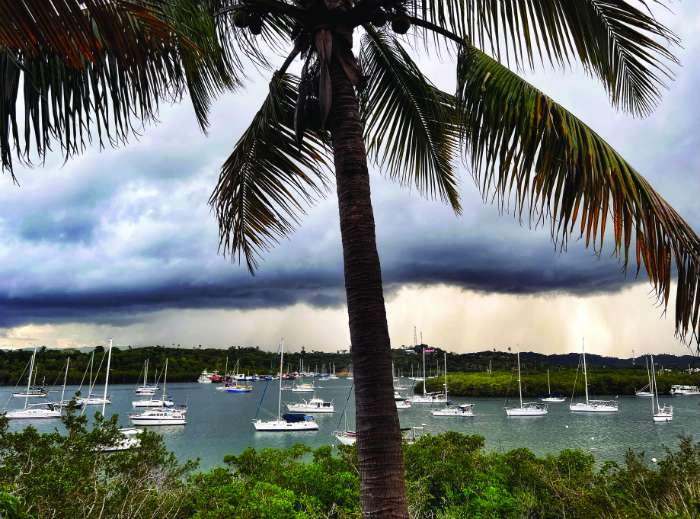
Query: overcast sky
x=122 y=243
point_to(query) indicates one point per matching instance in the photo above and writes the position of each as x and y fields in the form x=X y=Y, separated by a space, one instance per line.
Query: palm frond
x=73 y=70
x=526 y=148
x=268 y=180
x=410 y=125
x=620 y=43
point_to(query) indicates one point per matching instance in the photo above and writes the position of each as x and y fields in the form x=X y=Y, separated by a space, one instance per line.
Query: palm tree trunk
x=378 y=433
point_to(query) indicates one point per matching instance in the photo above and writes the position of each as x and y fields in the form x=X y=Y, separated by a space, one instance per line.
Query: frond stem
x=419 y=22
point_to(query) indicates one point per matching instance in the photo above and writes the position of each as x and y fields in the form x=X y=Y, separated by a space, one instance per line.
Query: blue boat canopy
x=296 y=417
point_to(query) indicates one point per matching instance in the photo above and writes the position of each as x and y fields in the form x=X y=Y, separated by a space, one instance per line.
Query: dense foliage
x=600 y=382
x=448 y=477
x=185 y=364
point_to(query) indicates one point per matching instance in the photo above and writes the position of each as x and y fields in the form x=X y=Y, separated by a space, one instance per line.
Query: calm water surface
x=219 y=423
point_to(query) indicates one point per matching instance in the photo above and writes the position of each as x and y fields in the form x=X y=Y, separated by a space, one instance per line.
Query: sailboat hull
x=32 y=414
x=526 y=411
x=663 y=417
x=553 y=399
x=284 y=426
x=464 y=411
x=582 y=407
x=346 y=437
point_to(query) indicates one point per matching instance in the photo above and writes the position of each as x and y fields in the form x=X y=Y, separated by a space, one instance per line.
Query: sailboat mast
x=445 y=378
x=165 y=378
x=65 y=379
x=549 y=388
x=654 y=393
x=29 y=378
x=109 y=362
x=423 y=348
x=520 y=386
x=279 y=396
x=145 y=373
x=585 y=371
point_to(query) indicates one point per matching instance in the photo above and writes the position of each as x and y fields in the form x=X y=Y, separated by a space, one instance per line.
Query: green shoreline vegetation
x=450 y=476
x=613 y=381
x=467 y=371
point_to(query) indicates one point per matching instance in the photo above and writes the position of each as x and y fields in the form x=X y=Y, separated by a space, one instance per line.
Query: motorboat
x=303 y=388
x=313 y=406
x=683 y=390
x=160 y=416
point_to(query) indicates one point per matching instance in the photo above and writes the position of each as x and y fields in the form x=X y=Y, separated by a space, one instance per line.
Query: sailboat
x=63 y=403
x=333 y=376
x=646 y=391
x=161 y=415
x=157 y=402
x=145 y=389
x=346 y=437
x=591 y=406
x=290 y=422
x=90 y=399
x=457 y=410
x=526 y=408
x=33 y=411
x=32 y=391
x=552 y=399
x=427 y=398
x=128 y=436
x=659 y=413
x=397 y=379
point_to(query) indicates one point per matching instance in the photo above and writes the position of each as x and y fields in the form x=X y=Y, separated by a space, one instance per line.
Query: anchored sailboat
x=591 y=406
x=466 y=410
x=659 y=413
x=427 y=398
x=163 y=401
x=550 y=398
x=145 y=389
x=162 y=414
x=33 y=411
x=290 y=422
x=526 y=408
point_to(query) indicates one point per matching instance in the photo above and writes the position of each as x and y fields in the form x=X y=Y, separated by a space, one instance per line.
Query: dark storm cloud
x=113 y=236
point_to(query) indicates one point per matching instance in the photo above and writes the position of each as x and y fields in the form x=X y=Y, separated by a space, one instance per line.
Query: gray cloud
x=114 y=235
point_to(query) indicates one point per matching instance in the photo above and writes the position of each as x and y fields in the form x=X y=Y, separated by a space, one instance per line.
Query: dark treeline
x=185 y=364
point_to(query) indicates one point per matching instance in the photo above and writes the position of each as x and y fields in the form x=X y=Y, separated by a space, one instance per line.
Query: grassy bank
x=600 y=382
x=448 y=477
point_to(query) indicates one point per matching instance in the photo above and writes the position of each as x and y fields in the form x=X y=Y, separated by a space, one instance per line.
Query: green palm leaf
x=624 y=46
x=527 y=149
x=79 y=72
x=267 y=180
x=410 y=125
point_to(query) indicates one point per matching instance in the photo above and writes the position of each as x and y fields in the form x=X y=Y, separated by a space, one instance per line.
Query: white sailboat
x=161 y=415
x=145 y=389
x=313 y=406
x=466 y=410
x=333 y=376
x=288 y=422
x=646 y=391
x=33 y=411
x=659 y=413
x=32 y=391
x=550 y=398
x=163 y=401
x=526 y=408
x=91 y=399
x=346 y=437
x=427 y=398
x=591 y=406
